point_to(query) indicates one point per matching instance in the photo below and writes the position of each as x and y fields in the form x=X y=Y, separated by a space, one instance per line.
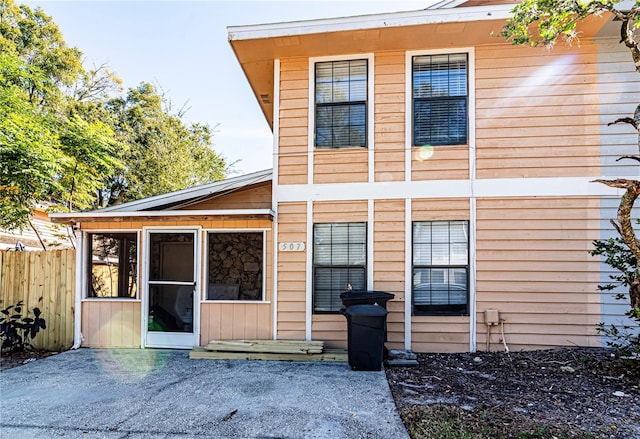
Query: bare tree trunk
x=44 y=247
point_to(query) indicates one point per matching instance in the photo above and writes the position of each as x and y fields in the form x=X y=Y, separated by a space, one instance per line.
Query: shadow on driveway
x=95 y=393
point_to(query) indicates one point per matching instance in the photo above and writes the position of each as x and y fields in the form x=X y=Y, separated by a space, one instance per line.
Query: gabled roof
x=165 y=202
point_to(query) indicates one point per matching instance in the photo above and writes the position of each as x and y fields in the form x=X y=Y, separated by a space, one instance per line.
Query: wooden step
x=266 y=346
x=200 y=353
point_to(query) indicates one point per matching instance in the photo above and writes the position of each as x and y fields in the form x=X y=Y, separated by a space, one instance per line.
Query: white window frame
x=86 y=253
x=471 y=106
x=205 y=265
x=312 y=107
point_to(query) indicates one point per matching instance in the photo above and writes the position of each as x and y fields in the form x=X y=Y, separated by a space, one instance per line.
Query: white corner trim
x=309 y=273
x=274 y=192
x=370 y=243
x=472 y=276
x=408 y=270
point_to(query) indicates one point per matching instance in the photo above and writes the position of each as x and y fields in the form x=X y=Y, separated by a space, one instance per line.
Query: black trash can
x=366 y=330
x=381 y=298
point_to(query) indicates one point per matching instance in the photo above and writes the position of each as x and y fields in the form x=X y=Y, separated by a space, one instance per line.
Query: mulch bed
x=563 y=393
x=14 y=359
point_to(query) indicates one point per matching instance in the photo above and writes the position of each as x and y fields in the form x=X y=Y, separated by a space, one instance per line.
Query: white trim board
x=362 y=22
x=159 y=213
x=484 y=188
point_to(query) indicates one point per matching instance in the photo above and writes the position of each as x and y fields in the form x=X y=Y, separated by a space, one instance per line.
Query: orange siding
x=235 y=321
x=111 y=324
x=252 y=197
x=389 y=122
x=343 y=165
x=294 y=114
x=292 y=227
x=388 y=264
x=533 y=266
x=535 y=114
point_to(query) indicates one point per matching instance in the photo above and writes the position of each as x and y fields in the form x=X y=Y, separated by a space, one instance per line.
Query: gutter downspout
x=77 y=308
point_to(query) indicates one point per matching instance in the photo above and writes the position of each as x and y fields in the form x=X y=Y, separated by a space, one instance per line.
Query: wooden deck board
x=200 y=353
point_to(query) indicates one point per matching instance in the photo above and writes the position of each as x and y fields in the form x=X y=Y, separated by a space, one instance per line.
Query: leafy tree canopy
x=67 y=136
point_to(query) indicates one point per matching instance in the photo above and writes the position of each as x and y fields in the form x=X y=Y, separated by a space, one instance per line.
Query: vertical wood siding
x=389 y=116
x=294 y=113
x=388 y=264
x=533 y=266
x=111 y=324
x=292 y=227
x=46 y=280
x=440 y=333
x=537 y=111
x=235 y=321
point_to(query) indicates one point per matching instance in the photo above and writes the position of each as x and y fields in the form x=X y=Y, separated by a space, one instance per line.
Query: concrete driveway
x=94 y=393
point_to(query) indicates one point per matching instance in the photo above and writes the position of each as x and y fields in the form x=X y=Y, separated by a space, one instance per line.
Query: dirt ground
x=9 y=360
x=562 y=393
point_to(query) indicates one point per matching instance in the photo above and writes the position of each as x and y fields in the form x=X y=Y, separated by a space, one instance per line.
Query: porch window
x=113 y=262
x=339 y=259
x=440 y=267
x=440 y=99
x=341 y=103
x=235 y=268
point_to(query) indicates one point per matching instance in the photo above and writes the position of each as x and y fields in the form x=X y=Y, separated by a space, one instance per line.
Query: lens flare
x=424 y=153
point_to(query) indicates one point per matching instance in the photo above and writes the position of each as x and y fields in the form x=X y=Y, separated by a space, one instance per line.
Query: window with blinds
x=341 y=104
x=339 y=259
x=440 y=99
x=440 y=267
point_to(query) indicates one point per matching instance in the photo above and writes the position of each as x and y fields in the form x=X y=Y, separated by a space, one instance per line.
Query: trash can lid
x=365 y=310
x=367 y=294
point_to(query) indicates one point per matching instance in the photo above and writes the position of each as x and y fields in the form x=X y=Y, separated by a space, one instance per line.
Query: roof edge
x=361 y=22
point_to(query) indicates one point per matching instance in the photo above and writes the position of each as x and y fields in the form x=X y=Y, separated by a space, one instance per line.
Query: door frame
x=171 y=340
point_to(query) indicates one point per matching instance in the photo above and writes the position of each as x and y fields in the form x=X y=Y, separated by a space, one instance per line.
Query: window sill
x=110 y=299
x=264 y=302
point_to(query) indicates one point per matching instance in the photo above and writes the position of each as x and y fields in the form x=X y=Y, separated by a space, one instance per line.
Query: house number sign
x=291 y=246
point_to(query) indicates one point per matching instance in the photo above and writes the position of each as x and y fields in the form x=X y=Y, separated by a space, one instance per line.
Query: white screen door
x=171 y=289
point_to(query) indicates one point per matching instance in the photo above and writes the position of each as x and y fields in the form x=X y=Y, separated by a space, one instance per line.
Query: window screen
x=339 y=259
x=341 y=104
x=440 y=267
x=440 y=99
x=113 y=264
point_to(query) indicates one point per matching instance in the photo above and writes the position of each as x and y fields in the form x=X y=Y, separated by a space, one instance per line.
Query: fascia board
x=198 y=191
x=396 y=19
x=160 y=213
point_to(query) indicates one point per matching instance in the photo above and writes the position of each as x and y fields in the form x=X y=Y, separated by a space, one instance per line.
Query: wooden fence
x=43 y=279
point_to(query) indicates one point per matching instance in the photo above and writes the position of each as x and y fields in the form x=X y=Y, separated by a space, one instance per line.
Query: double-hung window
x=339 y=260
x=440 y=267
x=341 y=104
x=440 y=99
x=113 y=265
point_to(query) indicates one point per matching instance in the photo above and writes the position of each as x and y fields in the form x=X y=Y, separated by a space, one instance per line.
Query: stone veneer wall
x=237 y=259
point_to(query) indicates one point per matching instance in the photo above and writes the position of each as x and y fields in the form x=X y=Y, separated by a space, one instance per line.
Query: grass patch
x=446 y=421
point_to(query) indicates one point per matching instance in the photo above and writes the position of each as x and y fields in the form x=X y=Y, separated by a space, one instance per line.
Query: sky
x=182 y=47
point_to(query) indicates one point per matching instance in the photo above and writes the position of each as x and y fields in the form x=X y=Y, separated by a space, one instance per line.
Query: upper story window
x=339 y=260
x=440 y=267
x=341 y=104
x=113 y=264
x=440 y=99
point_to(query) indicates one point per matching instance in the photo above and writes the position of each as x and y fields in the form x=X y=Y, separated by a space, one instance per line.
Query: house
x=40 y=234
x=414 y=153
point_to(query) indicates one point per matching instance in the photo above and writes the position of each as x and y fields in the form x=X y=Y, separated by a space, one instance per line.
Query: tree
x=68 y=138
x=164 y=153
x=544 y=22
